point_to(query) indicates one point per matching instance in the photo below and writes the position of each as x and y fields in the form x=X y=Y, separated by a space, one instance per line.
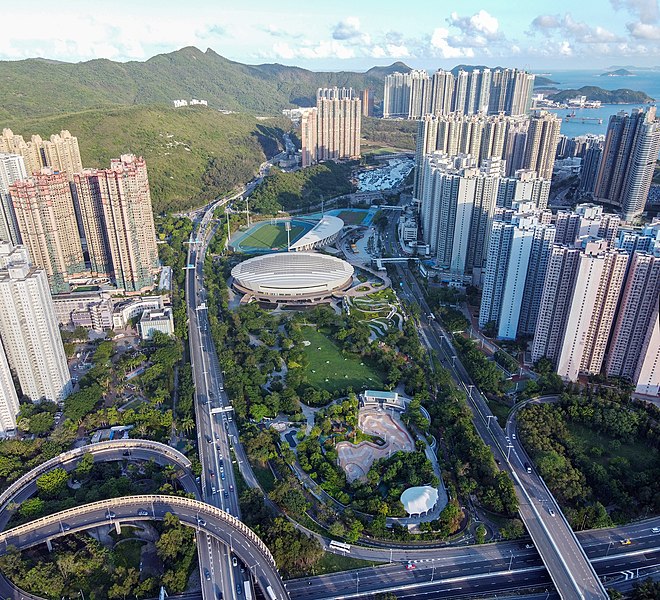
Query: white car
x=655 y=530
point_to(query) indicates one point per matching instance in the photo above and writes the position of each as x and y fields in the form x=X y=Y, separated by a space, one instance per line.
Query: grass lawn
x=128 y=553
x=334 y=563
x=271 y=236
x=339 y=370
x=352 y=218
x=638 y=454
x=265 y=477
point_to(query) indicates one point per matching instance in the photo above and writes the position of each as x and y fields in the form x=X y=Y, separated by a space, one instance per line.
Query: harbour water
x=644 y=80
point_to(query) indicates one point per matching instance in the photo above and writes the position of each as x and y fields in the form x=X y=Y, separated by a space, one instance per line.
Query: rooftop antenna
x=247 y=208
x=287 y=226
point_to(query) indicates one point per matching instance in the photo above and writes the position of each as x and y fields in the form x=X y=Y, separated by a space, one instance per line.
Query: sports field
x=272 y=236
x=352 y=217
x=330 y=370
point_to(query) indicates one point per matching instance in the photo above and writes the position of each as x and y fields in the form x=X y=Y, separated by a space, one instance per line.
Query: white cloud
x=565 y=49
x=647 y=11
x=577 y=31
x=283 y=50
x=347 y=29
x=441 y=46
x=644 y=31
x=482 y=24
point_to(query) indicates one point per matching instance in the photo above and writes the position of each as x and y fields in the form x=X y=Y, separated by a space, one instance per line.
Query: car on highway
x=513 y=436
x=529 y=546
x=231 y=488
x=214 y=490
x=528 y=467
x=225 y=493
x=211 y=473
x=222 y=476
x=207 y=575
x=208 y=439
x=234 y=562
x=552 y=512
x=143 y=513
x=655 y=530
x=201 y=522
x=66 y=527
x=110 y=515
x=410 y=565
x=508 y=439
x=626 y=542
x=239 y=589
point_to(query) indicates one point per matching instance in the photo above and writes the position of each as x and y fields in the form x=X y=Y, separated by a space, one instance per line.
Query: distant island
x=618 y=73
x=541 y=81
x=621 y=96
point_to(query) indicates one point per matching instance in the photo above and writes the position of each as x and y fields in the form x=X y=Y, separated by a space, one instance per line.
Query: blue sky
x=338 y=34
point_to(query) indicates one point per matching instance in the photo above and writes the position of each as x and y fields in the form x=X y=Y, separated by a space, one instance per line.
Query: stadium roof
x=326 y=228
x=292 y=274
x=419 y=500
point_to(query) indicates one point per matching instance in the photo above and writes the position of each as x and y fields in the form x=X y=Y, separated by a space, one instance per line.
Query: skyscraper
x=47 y=225
x=457 y=205
x=541 y=143
x=12 y=168
x=367 y=97
x=518 y=255
x=29 y=332
x=334 y=127
x=578 y=305
x=629 y=156
x=647 y=373
x=117 y=217
x=587 y=220
x=60 y=152
x=636 y=316
x=8 y=398
x=442 y=91
x=396 y=96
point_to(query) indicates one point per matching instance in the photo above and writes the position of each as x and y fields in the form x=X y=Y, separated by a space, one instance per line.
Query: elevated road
x=108 y=451
x=228 y=530
x=569 y=568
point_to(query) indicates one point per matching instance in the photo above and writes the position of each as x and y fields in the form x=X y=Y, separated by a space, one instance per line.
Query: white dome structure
x=419 y=500
x=298 y=277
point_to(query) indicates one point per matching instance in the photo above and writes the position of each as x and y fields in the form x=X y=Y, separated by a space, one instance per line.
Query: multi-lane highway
x=208 y=520
x=571 y=571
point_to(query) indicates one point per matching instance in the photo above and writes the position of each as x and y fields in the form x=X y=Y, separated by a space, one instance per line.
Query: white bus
x=341 y=546
x=271 y=593
x=248 y=590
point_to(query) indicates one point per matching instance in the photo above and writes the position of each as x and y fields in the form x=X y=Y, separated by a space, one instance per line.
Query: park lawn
x=271 y=236
x=334 y=563
x=341 y=371
x=350 y=217
x=638 y=454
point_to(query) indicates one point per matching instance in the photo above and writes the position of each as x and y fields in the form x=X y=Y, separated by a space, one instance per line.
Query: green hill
x=38 y=87
x=193 y=154
x=622 y=96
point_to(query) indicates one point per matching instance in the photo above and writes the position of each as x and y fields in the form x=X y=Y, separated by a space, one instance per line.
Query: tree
x=480 y=534
x=51 y=484
x=41 y=423
x=32 y=508
x=84 y=467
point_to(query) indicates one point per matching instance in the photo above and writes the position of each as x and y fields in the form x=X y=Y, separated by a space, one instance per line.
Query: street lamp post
x=608 y=548
x=511 y=560
x=489 y=417
x=508 y=452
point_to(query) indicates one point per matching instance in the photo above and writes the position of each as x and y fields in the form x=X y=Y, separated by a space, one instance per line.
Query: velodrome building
x=292 y=277
x=324 y=233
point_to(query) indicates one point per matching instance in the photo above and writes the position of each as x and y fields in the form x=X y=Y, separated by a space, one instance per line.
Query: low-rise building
x=156 y=320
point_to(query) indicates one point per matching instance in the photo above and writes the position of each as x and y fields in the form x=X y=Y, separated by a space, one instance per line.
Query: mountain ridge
x=38 y=87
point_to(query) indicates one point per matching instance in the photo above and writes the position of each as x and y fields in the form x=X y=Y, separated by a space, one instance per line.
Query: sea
x=642 y=80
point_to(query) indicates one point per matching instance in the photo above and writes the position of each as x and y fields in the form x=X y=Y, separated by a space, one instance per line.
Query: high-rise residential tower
x=518 y=255
x=59 y=153
x=628 y=160
x=636 y=315
x=9 y=406
x=442 y=92
x=47 y=225
x=334 y=127
x=578 y=305
x=29 y=332
x=117 y=217
x=12 y=169
x=541 y=143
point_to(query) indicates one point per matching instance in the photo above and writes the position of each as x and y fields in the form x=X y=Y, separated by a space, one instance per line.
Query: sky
x=340 y=34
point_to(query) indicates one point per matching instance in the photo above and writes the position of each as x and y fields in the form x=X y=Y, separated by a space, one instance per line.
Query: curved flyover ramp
x=203 y=517
x=112 y=450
